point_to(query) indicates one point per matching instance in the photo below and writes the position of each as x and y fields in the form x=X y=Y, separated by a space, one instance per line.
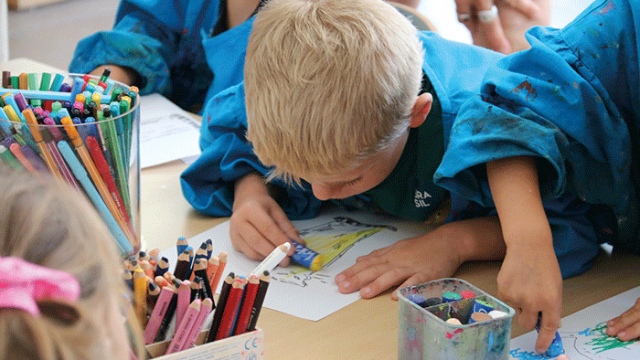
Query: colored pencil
x=265 y=279
x=205 y=310
x=222 y=303
x=231 y=309
x=183 y=330
x=140 y=290
x=222 y=258
x=246 y=305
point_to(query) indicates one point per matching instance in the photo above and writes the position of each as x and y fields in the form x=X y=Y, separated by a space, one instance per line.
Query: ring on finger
x=464 y=17
x=487 y=16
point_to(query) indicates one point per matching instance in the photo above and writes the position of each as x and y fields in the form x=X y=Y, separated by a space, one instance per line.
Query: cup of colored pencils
x=80 y=130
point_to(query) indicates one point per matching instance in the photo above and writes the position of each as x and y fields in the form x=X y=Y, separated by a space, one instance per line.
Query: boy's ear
x=421 y=109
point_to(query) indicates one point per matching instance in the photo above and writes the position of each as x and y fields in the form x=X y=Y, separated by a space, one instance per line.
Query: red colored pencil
x=246 y=305
x=231 y=309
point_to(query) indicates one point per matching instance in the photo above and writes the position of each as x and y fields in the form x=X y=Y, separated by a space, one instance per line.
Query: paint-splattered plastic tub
x=425 y=334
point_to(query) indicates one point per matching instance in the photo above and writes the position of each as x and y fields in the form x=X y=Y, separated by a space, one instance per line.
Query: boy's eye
x=352 y=182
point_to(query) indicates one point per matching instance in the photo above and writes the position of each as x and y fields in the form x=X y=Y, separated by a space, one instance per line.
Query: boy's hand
x=410 y=261
x=434 y=255
x=258 y=224
x=626 y=326
x=530 y=280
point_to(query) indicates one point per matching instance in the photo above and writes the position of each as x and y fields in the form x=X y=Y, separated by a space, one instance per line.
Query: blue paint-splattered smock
x=454 y=71
x=173 y=47
x=572 y=101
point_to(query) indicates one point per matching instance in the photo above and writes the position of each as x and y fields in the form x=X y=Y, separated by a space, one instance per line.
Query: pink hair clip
x=23 y=284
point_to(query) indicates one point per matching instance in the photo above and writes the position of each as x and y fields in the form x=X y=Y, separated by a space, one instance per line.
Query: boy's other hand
x=258 y=224
x=531 y=282
x=407 y=262
x=434 y=255
x=626 y=327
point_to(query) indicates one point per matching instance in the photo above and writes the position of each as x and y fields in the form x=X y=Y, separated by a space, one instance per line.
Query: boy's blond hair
x=55 y=226
x=328 y=83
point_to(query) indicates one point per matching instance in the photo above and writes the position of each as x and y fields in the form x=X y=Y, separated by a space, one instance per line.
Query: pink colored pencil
x=205 y=310
x=183 y=330
x=159 y=310
x=184 y=298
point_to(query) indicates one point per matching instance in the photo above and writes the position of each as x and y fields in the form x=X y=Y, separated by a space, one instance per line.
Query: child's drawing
x=337 y=236
x=583 y=334
x=331 y=239
x=592 y=344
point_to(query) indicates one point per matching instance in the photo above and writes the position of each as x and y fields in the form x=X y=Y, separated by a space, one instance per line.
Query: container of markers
x=450 y=319
x=82 y=131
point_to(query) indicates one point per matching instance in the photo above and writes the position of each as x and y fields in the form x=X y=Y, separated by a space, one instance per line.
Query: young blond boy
x=345 y=101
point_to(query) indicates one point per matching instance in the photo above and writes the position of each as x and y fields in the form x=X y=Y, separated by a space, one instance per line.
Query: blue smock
x=573 y=102
x=172 y=46
x=226 y=156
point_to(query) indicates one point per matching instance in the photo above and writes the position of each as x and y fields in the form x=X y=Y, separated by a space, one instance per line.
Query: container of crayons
x=80 y=130
x=182 y=318
x=450 y=319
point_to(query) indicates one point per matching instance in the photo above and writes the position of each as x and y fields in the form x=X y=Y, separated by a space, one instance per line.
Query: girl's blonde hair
x=55 y=226
x=328 y=83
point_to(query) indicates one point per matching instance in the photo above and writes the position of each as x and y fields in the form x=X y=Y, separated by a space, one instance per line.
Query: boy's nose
x=321 y=192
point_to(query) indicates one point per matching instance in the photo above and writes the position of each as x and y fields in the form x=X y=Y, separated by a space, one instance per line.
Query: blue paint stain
x=490 y=341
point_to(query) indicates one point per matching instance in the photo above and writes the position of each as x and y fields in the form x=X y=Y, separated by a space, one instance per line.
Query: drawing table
x=366 y=329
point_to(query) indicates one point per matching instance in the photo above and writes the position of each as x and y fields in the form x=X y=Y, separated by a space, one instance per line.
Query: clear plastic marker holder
x=107 y=150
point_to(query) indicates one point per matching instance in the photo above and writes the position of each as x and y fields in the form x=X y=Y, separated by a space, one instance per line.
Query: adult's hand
x=500 y=24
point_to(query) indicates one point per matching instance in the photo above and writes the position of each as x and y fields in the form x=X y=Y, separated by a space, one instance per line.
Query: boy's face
x=366 y=176
x=376 y=168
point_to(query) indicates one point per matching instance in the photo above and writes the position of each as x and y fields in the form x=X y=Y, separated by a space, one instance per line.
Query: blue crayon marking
x=555 y=349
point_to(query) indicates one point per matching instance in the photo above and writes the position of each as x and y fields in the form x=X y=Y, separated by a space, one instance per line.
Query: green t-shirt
x=409 y=192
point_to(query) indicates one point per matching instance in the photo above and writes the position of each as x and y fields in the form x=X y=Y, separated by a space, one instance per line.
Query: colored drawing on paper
x=331 y=239
x=592 y=344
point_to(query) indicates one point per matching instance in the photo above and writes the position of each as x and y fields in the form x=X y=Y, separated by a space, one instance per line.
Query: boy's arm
x=530 y=276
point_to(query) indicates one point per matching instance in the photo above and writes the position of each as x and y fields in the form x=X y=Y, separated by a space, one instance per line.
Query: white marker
x=271 y=261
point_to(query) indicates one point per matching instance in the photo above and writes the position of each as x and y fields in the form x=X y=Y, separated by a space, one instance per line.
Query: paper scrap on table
x=167 y=132
x=583 y=333
x=339 y=235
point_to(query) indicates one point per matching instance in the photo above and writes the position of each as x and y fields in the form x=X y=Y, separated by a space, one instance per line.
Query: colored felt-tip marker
x=81 y=175
x=44 y=95
x=272 y=260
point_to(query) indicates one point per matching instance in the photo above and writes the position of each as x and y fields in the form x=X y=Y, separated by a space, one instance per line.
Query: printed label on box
x=249 y=346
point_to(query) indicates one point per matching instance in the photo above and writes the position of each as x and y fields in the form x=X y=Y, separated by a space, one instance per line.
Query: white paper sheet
x=583 y=335
x=340 y=236
x=167 y=132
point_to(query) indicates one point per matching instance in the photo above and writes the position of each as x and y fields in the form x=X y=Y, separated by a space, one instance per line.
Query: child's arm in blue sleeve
x=208 y=183
x=145 y=38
